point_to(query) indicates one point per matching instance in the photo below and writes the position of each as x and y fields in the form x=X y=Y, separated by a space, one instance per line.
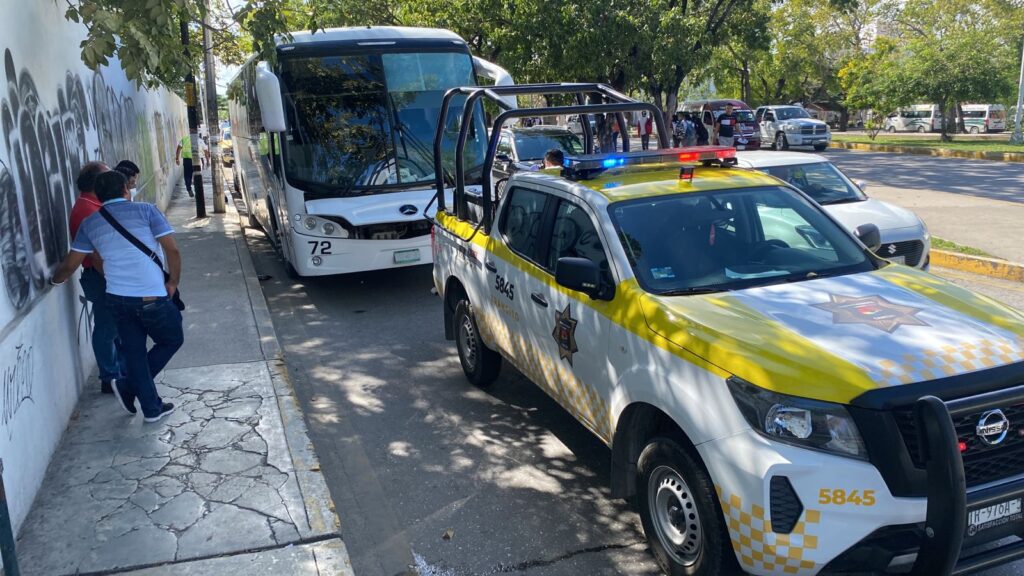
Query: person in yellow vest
x=183 y=155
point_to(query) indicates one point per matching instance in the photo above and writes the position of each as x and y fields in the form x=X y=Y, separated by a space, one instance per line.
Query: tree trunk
x=844 y=118
x=944 y=108
x=960 y=127
x=745 y=82
x=671 y=105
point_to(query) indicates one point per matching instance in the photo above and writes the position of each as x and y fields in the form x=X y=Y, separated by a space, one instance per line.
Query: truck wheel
x=819 y=146
x=780 y=142
x=679 y=513
x=480 y=363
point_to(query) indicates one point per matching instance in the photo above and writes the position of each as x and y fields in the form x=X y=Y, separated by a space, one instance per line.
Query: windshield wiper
x=841 y=201
x=690 y=291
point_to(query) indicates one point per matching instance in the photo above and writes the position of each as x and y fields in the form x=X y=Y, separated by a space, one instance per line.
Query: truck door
x=573 y=330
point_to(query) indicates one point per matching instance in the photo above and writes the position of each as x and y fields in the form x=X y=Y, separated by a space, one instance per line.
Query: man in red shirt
x=105 y=344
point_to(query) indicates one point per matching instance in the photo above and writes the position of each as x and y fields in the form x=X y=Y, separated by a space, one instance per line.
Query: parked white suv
x=785 y=126
x=905 y=238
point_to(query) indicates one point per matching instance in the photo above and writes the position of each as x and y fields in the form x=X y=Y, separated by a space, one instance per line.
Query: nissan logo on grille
x=993 y=427
x=892 y=249
x=408 y=209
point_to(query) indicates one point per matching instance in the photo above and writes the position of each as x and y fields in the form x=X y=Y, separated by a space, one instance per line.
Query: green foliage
x=874 y=82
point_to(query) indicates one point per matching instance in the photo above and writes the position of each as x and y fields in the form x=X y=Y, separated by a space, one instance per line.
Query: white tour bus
x=334 y=143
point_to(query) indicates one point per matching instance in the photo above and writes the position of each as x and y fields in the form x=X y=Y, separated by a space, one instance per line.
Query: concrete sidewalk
x=229 y=483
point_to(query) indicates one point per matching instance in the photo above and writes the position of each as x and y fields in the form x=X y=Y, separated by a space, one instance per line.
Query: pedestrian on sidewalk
x=183 y=156
x=138 y=292
x=131 y=173
x=105 y=345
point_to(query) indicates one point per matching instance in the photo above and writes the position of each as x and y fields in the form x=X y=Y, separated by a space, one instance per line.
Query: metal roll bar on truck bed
x=620 y=103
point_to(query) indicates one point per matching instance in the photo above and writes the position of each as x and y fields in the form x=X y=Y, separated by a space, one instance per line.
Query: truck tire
x=780 y=142
x=819 y=146
x=680 y=513
x=480 y=363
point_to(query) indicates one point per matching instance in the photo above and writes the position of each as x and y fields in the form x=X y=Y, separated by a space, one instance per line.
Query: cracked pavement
x=214 y=477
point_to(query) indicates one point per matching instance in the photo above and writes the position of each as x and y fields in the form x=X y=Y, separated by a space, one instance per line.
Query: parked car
x=905 y=238
x=707 y=110
x=785 y=126
x=980 y=118
x=917 y=118
x=521 y=148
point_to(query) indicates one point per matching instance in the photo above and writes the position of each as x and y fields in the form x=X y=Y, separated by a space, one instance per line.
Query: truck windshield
x=732 y=239
x=790 y=112
x=364 y=123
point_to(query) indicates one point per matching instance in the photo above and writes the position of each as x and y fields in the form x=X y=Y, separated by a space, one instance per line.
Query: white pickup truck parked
x=785 y=126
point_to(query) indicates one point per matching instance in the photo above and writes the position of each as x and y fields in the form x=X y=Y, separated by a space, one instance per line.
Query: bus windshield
x=364 y=123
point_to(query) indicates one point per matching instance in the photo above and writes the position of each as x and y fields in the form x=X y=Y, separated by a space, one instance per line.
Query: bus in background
x=980 y=118
x=334 y=143
x=917 y=118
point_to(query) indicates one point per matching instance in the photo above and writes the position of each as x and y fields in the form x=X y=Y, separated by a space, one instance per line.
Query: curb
x=320 y=510
x=990 y=267
x=926 y=151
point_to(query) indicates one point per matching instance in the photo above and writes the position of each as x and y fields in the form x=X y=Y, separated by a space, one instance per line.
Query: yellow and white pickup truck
x=774 y=394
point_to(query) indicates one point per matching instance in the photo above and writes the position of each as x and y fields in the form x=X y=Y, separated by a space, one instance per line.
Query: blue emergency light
x=588 y=166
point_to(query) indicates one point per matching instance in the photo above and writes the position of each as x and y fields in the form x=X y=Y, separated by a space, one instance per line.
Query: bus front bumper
x=324 y=256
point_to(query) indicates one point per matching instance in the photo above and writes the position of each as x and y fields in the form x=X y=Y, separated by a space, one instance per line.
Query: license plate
x=995 y=515
x=898 y=259
x=407 y=256
x=741 y=147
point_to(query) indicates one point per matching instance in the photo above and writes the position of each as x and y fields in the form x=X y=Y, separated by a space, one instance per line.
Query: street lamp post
x=1018 y=137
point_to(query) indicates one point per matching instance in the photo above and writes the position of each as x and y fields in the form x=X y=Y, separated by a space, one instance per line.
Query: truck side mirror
x=268 y=91
x=870 y=236
x=580 y=274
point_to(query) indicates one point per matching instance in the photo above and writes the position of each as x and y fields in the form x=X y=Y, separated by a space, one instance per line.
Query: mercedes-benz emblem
x=892 y=249
x=408 y=209
x=993 y=427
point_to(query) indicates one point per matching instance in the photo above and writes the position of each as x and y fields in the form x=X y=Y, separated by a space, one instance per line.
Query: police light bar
x=588 y=166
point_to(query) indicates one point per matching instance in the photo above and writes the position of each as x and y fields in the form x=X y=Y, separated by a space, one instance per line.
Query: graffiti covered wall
x=56 y=115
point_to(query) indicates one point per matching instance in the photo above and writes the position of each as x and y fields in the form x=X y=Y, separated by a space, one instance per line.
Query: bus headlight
x=310 y=223
x=329 y=228
x=803 y=422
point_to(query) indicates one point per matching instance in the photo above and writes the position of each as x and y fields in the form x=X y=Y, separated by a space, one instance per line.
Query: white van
x=980 y=118
x=917 y=118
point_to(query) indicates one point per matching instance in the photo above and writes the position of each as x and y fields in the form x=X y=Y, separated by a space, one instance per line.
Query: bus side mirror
x=268 y=91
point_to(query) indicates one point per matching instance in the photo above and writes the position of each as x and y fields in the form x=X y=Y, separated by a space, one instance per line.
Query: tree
x=873 y=83
x=144 y=34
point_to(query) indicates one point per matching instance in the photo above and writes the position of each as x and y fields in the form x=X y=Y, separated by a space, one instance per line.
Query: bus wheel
x=891 y=129
x=480 y=363
x=680 y=516
x=920 y=129
x=974 y=130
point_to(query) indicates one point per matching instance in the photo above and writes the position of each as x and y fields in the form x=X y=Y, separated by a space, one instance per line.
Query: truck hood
x=377 y=208
x=802 y=122
x=833 y=339
x=886 y=216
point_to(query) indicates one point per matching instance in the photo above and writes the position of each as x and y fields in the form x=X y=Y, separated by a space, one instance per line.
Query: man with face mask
x=131 y=172
x=105 y=344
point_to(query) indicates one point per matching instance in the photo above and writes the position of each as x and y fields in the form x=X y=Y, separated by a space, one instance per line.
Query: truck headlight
x=799 y=421
x=790 y=127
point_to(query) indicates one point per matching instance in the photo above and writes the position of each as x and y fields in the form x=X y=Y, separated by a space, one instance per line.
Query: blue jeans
x=105 y=344
x=138 y=319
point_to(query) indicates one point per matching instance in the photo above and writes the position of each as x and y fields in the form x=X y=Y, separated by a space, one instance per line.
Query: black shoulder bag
x=176 y=297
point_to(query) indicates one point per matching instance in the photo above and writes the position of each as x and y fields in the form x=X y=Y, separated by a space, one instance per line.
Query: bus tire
x=480 y=364
x=974 y=130
x=920 y=130
x=680 y=513
x=891 y=129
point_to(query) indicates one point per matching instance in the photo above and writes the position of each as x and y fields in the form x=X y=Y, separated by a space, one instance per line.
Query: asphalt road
x=411 y=451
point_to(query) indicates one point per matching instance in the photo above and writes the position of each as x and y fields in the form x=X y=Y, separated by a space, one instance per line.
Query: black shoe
x=166 y=409
x=105 y=387
x=124 y=398
x=191 y=194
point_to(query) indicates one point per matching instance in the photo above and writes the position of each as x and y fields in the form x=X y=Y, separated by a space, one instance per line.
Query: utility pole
x=1018 y=137
x=193 y=126
x=212 y=114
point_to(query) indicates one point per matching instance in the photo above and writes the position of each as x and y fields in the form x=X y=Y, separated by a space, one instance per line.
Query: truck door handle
x=490 y=266
x=539 y=299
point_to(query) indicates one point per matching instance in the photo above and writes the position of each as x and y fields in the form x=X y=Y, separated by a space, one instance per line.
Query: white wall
x=55 y=115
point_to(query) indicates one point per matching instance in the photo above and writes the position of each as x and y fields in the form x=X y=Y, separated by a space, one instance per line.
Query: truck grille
x=812 y=130
x=982 y=463
x=911 y=251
